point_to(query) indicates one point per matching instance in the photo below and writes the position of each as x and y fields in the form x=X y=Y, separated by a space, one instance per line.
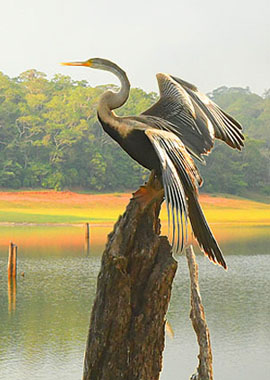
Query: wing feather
x=226 y=127
x=176 y=163
x=180 y=181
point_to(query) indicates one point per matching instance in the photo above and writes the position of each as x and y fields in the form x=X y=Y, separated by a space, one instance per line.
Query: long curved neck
x=111 y=100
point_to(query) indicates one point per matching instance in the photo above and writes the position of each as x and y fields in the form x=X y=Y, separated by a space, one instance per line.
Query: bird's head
x=95 y=63
x=105 y=64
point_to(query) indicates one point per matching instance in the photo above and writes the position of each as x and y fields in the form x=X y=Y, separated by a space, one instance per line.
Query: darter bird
x=165 y=138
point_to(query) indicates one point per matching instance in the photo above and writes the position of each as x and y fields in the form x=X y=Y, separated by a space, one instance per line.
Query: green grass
x=50 y=216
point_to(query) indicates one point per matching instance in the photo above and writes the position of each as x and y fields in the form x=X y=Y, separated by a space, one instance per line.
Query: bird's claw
x=147 y=195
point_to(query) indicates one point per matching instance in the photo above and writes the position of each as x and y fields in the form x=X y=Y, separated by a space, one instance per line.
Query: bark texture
x=204 y=369
x=126 y=334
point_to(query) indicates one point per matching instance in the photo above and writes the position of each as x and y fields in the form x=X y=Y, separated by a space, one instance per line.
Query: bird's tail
x=202 y=230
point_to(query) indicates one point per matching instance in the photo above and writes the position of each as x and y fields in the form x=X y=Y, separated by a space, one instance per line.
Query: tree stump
x=126 y=334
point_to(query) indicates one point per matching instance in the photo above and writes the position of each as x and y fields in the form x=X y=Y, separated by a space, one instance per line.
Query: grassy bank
x=69 y=208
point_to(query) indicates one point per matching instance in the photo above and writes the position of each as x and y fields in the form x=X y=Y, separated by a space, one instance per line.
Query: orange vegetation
x=118 y=199
x=63 y=197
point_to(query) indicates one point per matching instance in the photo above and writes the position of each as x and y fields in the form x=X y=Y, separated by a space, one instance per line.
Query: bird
x=167 y=138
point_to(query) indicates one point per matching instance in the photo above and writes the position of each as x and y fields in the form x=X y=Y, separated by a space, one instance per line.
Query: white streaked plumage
x=173 y=158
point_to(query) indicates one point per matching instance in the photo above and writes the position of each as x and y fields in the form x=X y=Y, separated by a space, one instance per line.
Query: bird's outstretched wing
x=180 y=181
x=197 y=119
x=226 y=128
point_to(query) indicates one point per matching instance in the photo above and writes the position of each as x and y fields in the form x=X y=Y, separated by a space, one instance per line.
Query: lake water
x=44 y=320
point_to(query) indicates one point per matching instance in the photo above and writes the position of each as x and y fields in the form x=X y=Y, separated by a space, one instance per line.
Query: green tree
x=50 y=137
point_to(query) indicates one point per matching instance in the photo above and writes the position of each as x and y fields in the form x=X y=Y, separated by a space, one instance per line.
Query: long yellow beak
x=85 y=63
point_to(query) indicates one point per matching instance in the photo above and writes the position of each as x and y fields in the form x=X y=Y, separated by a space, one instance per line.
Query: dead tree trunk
x=126 y=334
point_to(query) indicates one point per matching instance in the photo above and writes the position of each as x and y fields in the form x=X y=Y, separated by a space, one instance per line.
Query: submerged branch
x=204 y=369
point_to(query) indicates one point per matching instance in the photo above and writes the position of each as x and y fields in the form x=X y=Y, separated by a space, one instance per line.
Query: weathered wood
x=12 y=260
x=12 y=273
x=87 y=239
x=126 y=334
x=204 y=369
x=87 y=231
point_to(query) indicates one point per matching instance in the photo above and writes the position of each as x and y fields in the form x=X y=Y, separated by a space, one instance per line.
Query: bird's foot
x=149 y=193
x=146 y=195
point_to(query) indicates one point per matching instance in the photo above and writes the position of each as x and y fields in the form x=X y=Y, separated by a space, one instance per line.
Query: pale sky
x=208 y=42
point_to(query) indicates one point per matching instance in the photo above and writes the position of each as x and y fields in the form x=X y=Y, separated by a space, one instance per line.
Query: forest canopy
x=50 y=138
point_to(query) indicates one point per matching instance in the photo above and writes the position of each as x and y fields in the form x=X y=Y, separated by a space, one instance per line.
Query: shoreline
x=67 y=209
x=238 y=224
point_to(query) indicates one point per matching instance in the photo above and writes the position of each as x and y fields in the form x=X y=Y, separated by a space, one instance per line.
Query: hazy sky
x=208 y=42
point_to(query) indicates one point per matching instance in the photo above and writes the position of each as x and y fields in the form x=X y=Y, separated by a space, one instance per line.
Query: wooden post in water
x=14 y=263
x=12 y=272
x=87 y=238
x=12 y=260
x=87 y=231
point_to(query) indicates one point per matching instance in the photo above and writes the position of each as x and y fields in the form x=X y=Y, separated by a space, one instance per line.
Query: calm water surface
x=44 y=326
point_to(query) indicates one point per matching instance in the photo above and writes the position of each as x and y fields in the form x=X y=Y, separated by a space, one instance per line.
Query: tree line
x=50 y=138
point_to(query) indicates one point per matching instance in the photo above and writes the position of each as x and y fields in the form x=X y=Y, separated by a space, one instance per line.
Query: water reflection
x=12 y=286
x=237 y=306
x=45 y=315
x=68 y=240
